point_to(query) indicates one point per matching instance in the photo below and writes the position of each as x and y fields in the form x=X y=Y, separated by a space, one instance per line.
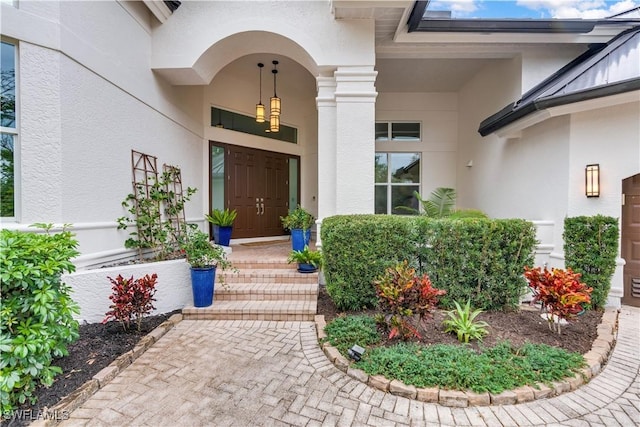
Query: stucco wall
x=87 y=97
x=438 y=115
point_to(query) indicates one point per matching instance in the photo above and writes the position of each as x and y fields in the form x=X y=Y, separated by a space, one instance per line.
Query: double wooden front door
x=257 y=186
x=631 y=240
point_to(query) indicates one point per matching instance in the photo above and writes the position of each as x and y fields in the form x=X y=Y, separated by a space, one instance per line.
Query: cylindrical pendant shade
x=274 y=123
x=275 y=106
x=260 y=113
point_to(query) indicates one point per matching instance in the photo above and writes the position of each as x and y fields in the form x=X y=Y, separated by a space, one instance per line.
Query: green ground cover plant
x=459 y=367
x=343 y=332
x=36 y=317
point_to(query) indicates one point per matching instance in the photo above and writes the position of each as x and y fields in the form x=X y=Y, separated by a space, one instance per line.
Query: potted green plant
x=222 y=220
x=299 y=222
x=204 y=258
x=308 y=260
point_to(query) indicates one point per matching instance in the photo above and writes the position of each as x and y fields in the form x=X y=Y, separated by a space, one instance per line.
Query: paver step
x=274 y=264
x=253 y=310
x=269 y=276
x=267 y=291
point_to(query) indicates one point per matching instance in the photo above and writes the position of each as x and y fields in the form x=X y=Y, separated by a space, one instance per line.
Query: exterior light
x=275 y=101
x=592 y=180
x=356 y=352
x=274 y=123
x=259 y=105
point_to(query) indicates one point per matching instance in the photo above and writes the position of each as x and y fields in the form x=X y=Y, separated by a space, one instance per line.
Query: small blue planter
x=300 y=238
x=222 y=234
x=306 y=268
x=202 y=285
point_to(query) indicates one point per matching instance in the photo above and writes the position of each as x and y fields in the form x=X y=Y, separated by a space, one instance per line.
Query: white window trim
x=390 y=123
x=388 y=184
x=16 y=135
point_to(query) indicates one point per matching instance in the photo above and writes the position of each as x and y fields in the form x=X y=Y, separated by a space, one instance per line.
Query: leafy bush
x=462 y=322
x=475 y=259
x=357 y=249
x=36 y=318
x=132 y=299
x=590 y=248
x=561 y=293
x=401 y=295
x=495 y=370
x=344 y=332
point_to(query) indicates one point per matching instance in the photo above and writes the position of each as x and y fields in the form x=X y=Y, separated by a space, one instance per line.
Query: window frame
x=389 y=184
x=14 y=131
x=390 y=137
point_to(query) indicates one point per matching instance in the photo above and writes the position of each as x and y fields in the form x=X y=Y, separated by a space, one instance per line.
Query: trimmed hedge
x=357 y=249
x=591 y=248
x=473 y=258
x=481 y=260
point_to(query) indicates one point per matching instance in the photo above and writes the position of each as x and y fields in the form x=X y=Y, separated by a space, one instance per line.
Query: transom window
x=397 y=176
x=397 y=131
x=8 y=129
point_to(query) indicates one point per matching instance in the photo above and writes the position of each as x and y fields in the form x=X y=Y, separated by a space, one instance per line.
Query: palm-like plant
x=441 y=202
x=462 y=322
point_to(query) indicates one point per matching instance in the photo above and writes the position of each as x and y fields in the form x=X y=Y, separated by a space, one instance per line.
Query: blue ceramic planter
x=300 y=238
x=306 y=268
x=222 y=235
x=202 y=285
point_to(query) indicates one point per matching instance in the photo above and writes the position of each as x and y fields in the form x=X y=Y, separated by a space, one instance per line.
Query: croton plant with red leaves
x=132 y=299
x=560 y=292
x=403 y=294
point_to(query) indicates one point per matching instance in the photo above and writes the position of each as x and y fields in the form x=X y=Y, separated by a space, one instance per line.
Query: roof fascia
x=159 y=9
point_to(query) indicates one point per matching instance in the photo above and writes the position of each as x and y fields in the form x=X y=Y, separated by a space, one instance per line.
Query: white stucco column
x=326 y=103
x=355 y=139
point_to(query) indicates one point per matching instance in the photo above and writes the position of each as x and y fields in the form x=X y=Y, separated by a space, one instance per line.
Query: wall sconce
x=260 y=106
x=592 y=180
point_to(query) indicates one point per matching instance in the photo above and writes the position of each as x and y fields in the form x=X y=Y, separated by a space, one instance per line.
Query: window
x=8 y=129
x=397 y=176
x=397 y=131
x=247 y=124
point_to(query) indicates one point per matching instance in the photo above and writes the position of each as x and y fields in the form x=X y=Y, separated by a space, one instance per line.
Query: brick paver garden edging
x=106 y=374
x=595 y=359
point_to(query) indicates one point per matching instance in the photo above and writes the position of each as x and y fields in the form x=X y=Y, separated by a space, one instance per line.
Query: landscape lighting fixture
x=356 y=352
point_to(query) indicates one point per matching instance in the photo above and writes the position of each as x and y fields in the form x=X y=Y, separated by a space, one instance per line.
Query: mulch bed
x=518 y=327
x=100 y=344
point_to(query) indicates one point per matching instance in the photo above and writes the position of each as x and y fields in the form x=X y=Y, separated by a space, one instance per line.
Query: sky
x=534 y=9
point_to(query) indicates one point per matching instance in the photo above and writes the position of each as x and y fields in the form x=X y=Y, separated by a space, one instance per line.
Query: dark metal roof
x=603 y=70
x=173 y=5
x=421 y=23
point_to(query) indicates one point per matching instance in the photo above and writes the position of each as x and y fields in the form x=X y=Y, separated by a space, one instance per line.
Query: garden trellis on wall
x=149 y=192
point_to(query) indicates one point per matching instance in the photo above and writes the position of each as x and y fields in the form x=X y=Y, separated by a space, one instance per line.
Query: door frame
x=226 y=146
x=627 y=298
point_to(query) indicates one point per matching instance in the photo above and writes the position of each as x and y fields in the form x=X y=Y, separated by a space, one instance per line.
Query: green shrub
x=475 y=259
x=36 y=318
x=462 y=322
x=357 y=249
x=344 y=332
x=590 y=248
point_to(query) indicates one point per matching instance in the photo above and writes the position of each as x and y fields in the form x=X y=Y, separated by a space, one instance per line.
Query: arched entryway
x=631 y=240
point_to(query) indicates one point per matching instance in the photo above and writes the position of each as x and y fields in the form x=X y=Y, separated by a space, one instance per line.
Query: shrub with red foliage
x=560 y=292
x=401 y=295
x=132 y=299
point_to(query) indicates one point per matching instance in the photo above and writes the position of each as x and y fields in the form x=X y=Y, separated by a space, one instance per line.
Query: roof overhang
x=541 y=112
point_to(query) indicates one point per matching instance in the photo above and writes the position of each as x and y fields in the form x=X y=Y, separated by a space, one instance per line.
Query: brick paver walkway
x=260 y=373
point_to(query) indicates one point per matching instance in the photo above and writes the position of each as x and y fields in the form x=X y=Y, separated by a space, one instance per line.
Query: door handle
x=262 y=206
x=257 y=206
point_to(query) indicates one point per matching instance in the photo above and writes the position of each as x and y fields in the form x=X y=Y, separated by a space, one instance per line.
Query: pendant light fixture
x=260 y=107
x=274 y=119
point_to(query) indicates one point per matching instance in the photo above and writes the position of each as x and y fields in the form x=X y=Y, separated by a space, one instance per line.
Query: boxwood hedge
x=471 y=258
